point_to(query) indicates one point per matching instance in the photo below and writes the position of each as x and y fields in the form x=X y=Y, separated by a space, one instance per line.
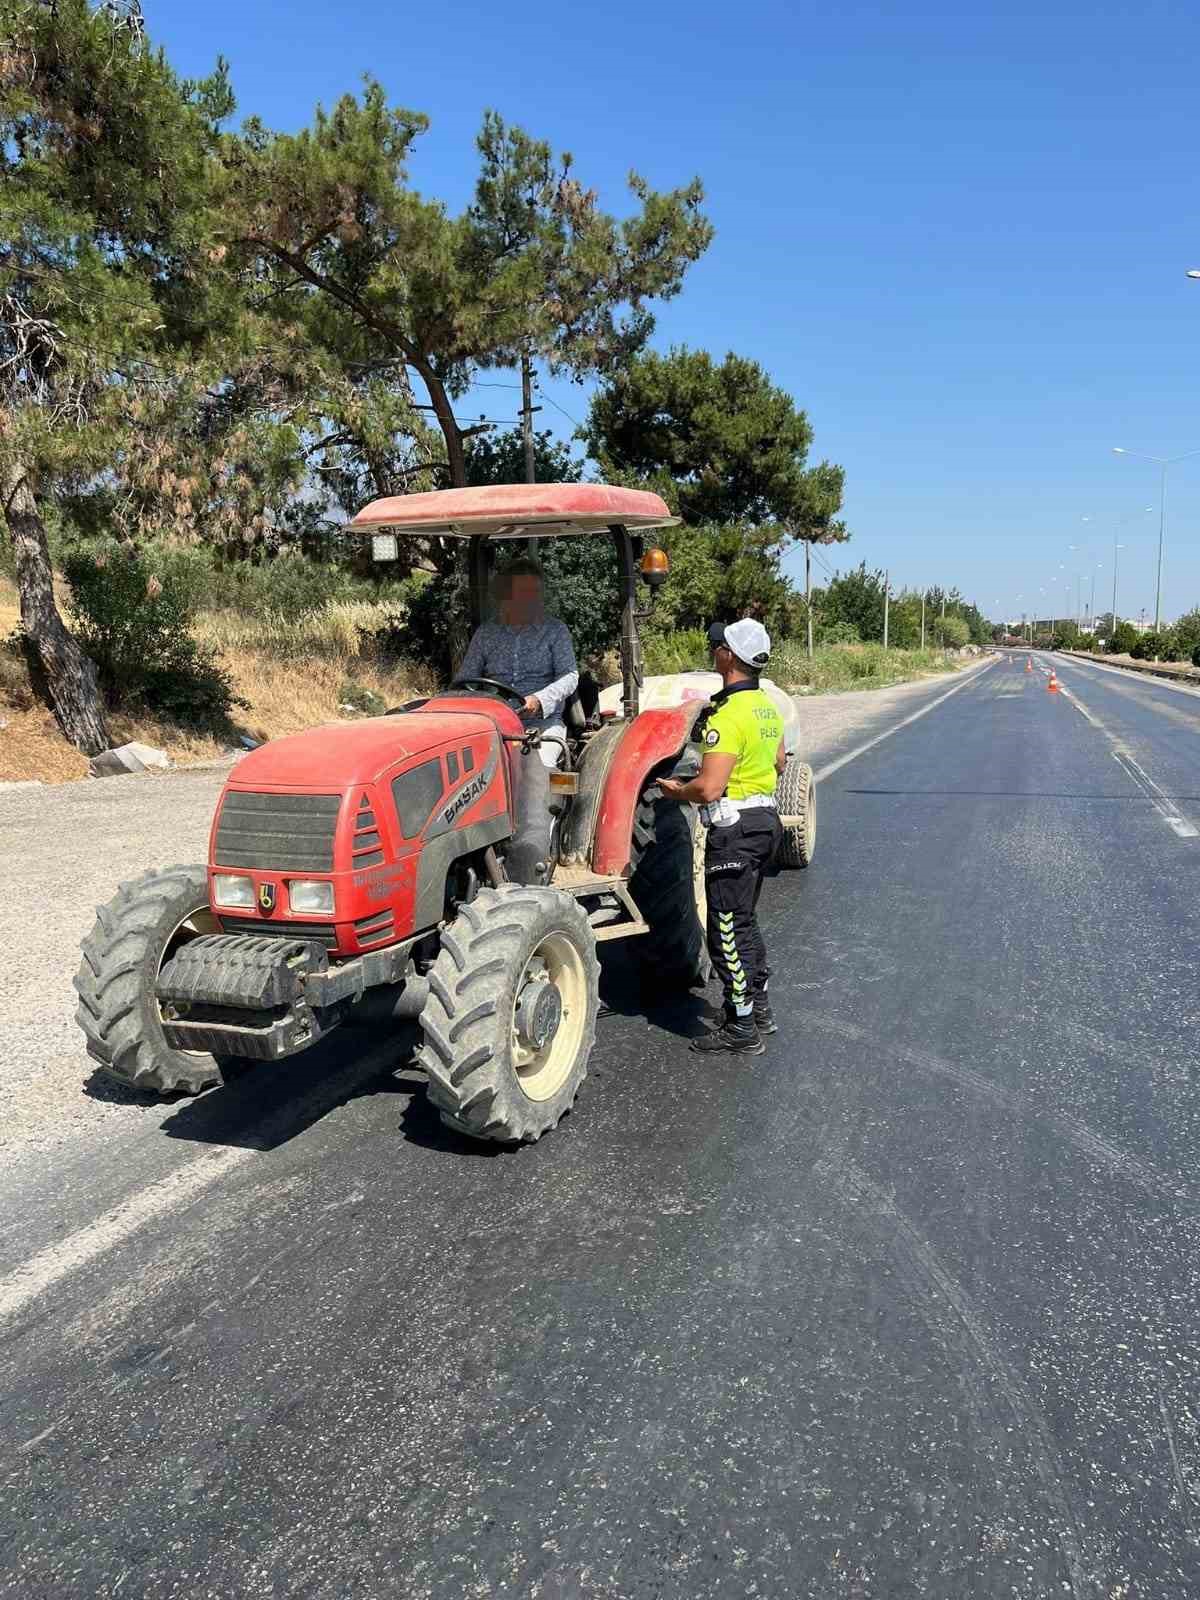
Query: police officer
x=742 y=738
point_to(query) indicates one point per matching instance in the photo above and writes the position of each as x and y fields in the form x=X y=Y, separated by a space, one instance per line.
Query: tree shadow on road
x=272 y=1103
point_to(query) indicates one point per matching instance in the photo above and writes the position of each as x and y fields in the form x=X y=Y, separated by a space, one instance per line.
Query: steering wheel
x=503 y=691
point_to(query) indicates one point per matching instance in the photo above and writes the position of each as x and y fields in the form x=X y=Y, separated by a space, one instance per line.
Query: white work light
x=231 y=891
x=310 y=894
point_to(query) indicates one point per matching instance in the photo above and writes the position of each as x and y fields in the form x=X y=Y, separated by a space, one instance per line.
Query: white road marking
x=1080 y=707
x=831 y=767
x=38 y=1437
x=1161 y=802
x=172 y=1192
x=49 y=1266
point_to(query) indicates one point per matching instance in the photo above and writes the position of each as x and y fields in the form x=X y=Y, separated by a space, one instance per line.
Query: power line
x=821 y=562
x=563 y=409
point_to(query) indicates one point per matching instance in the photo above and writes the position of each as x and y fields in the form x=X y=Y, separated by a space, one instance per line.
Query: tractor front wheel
x=133 y=938
x=511 y=1016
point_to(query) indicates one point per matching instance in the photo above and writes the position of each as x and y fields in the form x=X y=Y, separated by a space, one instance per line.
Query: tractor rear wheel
x=511 y=1016
x=133 y=938
x=796 y=797
x=667 y=885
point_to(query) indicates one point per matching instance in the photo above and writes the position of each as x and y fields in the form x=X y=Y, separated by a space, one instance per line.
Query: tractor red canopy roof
x=517 y=510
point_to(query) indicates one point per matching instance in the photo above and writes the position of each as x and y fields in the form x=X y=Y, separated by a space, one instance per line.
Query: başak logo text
x=465 y=797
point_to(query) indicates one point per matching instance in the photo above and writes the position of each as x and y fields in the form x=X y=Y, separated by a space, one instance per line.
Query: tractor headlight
x=233 y=892
x=310 y=894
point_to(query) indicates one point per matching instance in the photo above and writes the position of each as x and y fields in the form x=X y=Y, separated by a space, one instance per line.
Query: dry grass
x=838 y=667
x=286 y=696
x=330 y=634
x=293 y=672
x=32 y=747
x=10 y=611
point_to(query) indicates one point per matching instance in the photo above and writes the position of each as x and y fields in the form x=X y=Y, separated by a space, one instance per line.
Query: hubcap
x=548 y=1017
x=539 y=1010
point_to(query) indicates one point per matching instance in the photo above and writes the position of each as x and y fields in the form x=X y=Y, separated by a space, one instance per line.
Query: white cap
x=749 y=641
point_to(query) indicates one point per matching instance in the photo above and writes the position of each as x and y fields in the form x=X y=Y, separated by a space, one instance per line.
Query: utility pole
x=1162 y=528
x=527 y=410
x=887 y=594
x=922 y=619
x=808 y=591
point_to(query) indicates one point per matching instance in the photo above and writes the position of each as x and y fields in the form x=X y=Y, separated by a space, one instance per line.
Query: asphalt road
x=906 y=1307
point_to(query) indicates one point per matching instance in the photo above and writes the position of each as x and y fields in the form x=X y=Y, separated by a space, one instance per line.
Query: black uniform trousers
x=735 y=859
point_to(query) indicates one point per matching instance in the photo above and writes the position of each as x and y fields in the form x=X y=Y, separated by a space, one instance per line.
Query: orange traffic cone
x=1028 y=664
x=1052 y=686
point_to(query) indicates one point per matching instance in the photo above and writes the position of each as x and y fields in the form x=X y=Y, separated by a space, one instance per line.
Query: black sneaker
x=736 y=1036
x=764 y=1017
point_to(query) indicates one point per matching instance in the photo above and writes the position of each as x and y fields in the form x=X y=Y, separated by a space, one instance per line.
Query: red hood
x=339 y=754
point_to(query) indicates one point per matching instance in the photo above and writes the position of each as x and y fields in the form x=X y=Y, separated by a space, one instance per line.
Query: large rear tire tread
x=466 y=1052
x=667 y=887
x=117 y=1010
x=796 y=796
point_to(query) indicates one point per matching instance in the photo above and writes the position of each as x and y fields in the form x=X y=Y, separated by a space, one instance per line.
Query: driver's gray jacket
x=538 y=658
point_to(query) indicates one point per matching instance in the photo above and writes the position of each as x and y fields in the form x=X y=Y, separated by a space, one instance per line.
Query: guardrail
x=1176 y=670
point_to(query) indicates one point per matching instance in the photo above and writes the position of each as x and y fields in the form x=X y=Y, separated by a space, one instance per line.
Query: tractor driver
x=533 y=654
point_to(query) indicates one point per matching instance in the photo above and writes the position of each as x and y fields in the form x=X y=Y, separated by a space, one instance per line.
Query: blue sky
x=959 y=239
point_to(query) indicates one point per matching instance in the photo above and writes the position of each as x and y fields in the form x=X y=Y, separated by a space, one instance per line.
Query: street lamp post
x=1124 y=522
x=1116 y=547
x=1162 y=462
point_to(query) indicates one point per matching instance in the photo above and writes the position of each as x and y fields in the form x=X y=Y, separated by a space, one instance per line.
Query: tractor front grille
x=277 y=832
x=320 y=932
x=374 y=929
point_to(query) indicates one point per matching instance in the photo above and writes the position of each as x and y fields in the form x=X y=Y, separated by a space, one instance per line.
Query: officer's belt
x=717 y=812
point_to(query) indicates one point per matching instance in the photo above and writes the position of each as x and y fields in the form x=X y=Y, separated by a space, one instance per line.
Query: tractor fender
x=650 y=739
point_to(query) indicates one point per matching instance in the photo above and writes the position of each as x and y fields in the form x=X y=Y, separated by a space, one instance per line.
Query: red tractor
x=358 y=868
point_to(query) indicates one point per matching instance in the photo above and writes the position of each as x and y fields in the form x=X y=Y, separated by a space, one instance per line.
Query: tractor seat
x=574 y=715
x=582 y=706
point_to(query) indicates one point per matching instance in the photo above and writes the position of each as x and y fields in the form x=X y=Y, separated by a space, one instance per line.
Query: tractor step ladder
x=597 y=894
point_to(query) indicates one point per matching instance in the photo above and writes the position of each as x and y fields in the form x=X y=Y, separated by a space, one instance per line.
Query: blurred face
x=523 y=602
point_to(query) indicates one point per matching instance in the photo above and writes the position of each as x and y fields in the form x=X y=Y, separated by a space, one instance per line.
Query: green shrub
x=1124 y=637
x=289 y=584
x=685 y=650
x=836 y=633
x=192 y=690
x=1186 y=634
x=135 y=626
x=951 y=632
